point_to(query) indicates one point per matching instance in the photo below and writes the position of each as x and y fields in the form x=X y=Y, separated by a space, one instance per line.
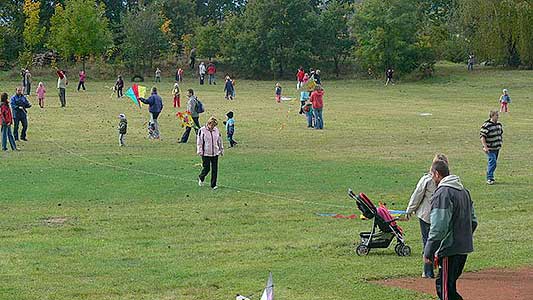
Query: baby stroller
x=382 y=219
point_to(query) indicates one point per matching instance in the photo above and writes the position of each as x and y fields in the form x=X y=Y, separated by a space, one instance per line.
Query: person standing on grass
x=211 y=71
x=176 y=95
x=62 y=83
x=209 y=146
x=122 y=130
x=277 y=92
x=318 y=104
x=19 y=104
x=453 y=222
x=192 y=58
x=155 y=107
x=201 y=71
x=81 y=82
x=119 y=86
x=41 y=93
x=192 y=105
x=491 y=138
x=157 y=75
x=229 y=89
x=300 y=77
x=505 y=99
x=420 y=205
x=390 y=75
x=27 y=75
x=470 y=63
x=6 y=119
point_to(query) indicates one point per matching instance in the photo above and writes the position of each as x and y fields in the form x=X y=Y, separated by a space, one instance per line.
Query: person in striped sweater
x=491 y=138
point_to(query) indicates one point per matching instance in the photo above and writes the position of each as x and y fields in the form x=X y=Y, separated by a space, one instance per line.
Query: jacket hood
x=452 y=181
x=319 y=92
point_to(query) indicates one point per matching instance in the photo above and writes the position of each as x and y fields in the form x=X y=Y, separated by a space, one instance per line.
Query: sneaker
x=200 y=182
x=490 y=181
x=24 y=139
x=215 y=187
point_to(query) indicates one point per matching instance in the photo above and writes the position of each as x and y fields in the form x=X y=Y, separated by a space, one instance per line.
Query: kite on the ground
x=268 y=292
x=135 y=92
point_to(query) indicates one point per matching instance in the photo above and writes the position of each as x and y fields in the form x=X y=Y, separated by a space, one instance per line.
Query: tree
x=80 y=29
x=182 y=19
x=144 y=40
x=333 y=40
x=208 y=40
x=499 y=30
x=388 y=35
x=11 y=25
x=33 y=33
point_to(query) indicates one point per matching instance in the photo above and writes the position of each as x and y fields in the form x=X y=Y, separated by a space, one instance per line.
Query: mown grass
x=85 y=219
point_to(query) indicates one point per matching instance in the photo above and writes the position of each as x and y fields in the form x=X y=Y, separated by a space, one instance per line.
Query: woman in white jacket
x=209 y=147
x=420 y=205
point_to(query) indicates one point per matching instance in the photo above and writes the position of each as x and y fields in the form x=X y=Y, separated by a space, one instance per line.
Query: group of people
x=311 y=96
x=14 y=112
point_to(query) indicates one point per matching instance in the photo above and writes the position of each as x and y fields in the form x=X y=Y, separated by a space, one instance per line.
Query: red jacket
x=316 y=99
x=300 y=75
x=211 y=69
x=5 y=115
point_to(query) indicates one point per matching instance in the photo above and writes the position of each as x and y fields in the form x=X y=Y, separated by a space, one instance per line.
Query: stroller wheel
x=362 y=250
x=405 y=250
x=397 y=249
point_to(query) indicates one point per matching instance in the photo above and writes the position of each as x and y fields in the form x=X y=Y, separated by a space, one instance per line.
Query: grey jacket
x=420 y=202
x=191 y=106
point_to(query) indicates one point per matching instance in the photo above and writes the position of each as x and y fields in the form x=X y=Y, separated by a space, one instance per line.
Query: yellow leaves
x=165 y=27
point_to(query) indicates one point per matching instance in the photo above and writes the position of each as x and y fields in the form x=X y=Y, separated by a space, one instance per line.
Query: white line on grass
x=190 y=180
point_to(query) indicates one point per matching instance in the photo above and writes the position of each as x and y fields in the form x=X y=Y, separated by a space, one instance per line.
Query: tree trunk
x=336 y=60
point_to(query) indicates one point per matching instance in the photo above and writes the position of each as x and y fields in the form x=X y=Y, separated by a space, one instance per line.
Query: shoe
x=491 y=181
x=200 y=182
x=181 y=142
x=25 y=139
x=215 y=187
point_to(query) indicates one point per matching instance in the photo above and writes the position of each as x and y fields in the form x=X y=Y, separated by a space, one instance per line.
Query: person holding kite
x=155 y=107
x=193 y=109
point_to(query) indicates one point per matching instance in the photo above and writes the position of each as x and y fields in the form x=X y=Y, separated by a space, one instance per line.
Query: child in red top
x=6 y=119
x=300 y=76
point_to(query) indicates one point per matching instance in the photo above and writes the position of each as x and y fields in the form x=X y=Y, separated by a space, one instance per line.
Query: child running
x=41 y=91
x=505 y=99
x=230 y=128
x=176 y=94
x=278 y=92
x=122 y=130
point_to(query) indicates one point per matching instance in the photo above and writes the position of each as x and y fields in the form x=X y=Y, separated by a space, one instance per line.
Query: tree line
x=261 y=37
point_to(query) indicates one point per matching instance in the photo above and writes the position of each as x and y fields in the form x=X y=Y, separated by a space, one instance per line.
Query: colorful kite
x=186 y=119
x=135 y=92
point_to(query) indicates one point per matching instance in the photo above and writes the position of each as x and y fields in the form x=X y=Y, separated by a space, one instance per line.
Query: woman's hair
x=4 y=97
x=440 y=156
x=212 y=120
x=191 y=91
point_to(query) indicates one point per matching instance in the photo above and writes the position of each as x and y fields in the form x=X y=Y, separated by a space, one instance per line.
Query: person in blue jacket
x=155 y=107
x=19 y=106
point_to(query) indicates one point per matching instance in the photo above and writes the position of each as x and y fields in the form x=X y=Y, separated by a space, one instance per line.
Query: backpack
x=199 y=106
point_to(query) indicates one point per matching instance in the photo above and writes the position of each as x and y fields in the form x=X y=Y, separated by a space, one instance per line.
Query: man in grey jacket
x=453 y=223
x=192 y=103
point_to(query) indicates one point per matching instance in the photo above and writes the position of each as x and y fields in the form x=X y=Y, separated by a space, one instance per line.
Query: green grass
x=138 y=226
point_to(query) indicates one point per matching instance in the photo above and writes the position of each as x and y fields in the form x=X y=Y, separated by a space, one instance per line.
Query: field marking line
x=92 y=161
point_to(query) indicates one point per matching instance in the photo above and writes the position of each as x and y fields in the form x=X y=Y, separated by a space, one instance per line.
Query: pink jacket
x=209 y=143
x=40 y=92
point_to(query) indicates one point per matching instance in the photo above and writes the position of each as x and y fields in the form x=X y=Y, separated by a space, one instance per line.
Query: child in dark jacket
x=230 y=128
x=122 y=130
x=229 y=89
x=119 y=86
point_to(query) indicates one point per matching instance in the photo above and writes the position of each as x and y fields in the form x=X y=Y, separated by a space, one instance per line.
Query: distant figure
x=192 y=58
x=230 y=128
x=211 y=71
x=81 y=83
x=6 y=119
x=62 y=83
x=491 y=138
x=278 y=92
x=505 y=99
x=389 y=74
x=27 y=88
x=470 y=63
x=201 y=71
x=157 y=75
x=317 y=77
x=41 y=93
x=119 y=86
x=179 y=75
x=229 y=88
x=318 y=104
x=176 y=95
x=122 y=130
x=300 y=77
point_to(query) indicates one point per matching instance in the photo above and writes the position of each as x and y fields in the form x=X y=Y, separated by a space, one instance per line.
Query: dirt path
x=488 y=284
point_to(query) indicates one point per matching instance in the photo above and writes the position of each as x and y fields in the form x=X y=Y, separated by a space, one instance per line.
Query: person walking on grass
x=209 y=146
x=176 y=95
x=317 y=99
x=122 y=130
x=453 y=222
x=390 y=75
x=119 y=86
x=491 y=138
x=19 y=106
x=62 y=83
x=155 y=107
x=211 y=71
x=229 y=89
x=41 y=93
x=157 y=75
x=81 y=82
x=27 y=88
x=6 y=119
x=420 y=205
x=201 y=71
x=505 y=99
x=192 y=107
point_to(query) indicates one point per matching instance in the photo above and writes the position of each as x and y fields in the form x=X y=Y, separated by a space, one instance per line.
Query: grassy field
x=85 y=219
